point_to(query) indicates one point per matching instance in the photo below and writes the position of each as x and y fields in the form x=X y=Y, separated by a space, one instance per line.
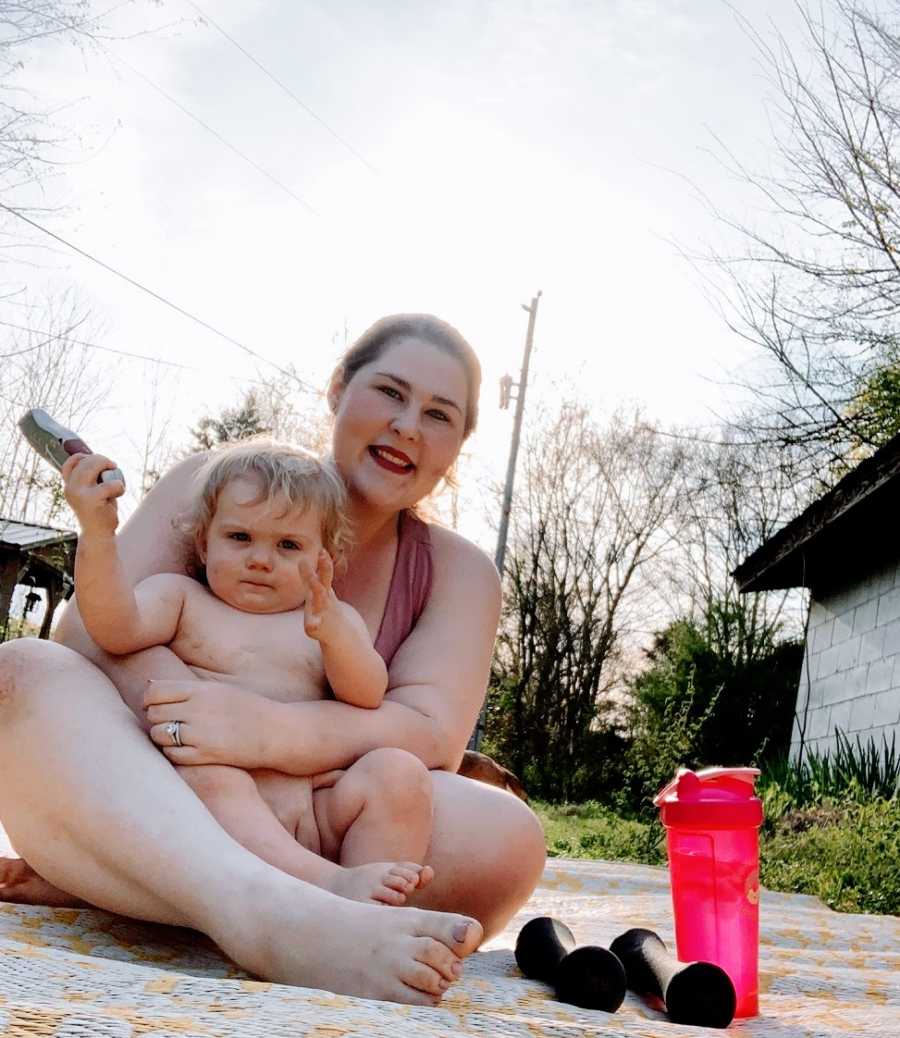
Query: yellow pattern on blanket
x=65 y=972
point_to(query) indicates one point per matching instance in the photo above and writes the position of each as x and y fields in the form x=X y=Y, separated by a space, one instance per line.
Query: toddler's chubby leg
x=290 y=840
x=232 y=798
x=376 y=822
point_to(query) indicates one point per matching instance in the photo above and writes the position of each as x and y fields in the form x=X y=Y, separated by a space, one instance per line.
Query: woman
x=88 y=801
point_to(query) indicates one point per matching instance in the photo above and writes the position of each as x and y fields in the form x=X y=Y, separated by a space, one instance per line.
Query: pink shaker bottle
x=712 y=819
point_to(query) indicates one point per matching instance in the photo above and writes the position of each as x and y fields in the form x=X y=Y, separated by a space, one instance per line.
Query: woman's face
x=399 y=424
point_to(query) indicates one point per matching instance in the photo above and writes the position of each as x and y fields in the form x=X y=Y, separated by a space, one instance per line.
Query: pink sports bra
x=410 y=585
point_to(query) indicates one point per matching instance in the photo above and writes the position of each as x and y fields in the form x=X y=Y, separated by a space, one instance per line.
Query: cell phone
x=56 y=443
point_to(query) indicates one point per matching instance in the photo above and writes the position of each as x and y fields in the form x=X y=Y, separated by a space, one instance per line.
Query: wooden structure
x=35 y=557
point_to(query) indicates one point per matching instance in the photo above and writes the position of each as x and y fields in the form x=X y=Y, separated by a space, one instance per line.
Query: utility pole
x=506 y=387
x=521 y=386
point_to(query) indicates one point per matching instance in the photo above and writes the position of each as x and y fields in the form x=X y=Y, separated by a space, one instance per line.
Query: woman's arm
x=437 y=684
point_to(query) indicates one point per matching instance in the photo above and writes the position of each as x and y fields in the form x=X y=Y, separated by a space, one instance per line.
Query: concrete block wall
x=851 y=669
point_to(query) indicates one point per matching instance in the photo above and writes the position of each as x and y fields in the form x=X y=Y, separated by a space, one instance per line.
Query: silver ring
x=173 y=728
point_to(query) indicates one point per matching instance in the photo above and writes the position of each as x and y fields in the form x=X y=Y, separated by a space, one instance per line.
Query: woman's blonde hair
x=283 y=474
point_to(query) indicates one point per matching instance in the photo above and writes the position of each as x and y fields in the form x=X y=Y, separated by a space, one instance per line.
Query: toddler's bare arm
x=354 y=669
x=120 y=618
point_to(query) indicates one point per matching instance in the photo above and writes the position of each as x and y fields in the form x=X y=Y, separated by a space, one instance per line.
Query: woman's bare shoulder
x=149 y=542
x=454 y=554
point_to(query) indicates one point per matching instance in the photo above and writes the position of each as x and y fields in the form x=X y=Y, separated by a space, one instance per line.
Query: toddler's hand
x=319 y=611
x=93 y=503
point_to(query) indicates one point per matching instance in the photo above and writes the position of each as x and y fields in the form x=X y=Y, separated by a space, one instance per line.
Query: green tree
x=876 y=409
x=282 y=406
x=736 y=696
x=234 y=423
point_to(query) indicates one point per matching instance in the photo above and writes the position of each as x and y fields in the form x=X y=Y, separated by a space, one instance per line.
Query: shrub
x=739 y=698
x=846 y=855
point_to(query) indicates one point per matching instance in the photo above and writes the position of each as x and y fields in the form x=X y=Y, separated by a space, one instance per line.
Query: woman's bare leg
x=99 y=812
x=21 y=885
x=485 y=886
x=487 y=850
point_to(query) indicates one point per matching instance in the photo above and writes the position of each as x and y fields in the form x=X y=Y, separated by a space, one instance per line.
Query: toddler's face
x=259 y=556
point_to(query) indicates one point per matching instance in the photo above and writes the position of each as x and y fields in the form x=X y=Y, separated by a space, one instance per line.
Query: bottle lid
x=717 y=798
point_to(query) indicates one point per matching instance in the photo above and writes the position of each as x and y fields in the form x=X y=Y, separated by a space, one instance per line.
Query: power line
x=284 y=87
x=110 y=349
x=162 y=299
x=28 y=349
x=216 y=134
x=701 y=439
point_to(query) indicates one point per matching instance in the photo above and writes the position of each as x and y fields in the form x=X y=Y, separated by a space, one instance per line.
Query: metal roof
x=27 y=536
x=853 y=519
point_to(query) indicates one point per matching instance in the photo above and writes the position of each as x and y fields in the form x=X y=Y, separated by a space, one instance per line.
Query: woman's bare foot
x=384 y=882
x=302 y=935
x=21 y=885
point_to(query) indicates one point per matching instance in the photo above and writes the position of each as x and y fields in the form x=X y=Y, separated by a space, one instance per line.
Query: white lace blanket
x=87 y=973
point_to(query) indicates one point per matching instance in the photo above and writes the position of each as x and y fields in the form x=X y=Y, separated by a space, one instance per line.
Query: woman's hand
x=219 y=723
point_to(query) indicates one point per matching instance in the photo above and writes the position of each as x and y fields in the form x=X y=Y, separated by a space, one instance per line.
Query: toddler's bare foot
x=21 y=885
x=298 y=934
x=384 y=882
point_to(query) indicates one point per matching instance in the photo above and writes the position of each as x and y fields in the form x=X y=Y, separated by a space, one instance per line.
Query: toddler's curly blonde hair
x=283 y=474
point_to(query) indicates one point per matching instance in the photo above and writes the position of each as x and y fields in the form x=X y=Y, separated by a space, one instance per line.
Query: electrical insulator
x=506 y=384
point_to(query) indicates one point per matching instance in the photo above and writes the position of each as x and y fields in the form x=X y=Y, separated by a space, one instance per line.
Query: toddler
x=266 y=523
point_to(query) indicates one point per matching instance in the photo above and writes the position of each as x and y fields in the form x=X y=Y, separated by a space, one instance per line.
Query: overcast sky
x=492 y=149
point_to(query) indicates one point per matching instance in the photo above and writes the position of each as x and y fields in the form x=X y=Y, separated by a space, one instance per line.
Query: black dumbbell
x=698 y=993
x=589 y=977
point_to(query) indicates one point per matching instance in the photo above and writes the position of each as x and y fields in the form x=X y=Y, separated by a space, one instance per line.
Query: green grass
x=844 y=852
x=590 y=830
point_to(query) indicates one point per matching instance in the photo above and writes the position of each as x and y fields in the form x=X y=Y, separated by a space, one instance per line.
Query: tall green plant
x=853 y=771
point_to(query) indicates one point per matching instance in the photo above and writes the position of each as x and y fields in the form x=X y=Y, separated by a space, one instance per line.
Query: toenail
x=460 y=931
x=456 y=969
